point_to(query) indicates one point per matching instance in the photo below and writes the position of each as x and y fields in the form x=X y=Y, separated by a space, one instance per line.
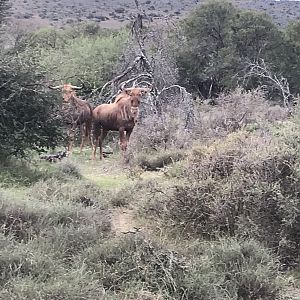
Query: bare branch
x=261 y=70
x=115 y=82
x=182 y=90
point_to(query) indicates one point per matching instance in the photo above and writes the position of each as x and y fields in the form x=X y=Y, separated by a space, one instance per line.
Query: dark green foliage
x=291 y=56
x=82 y=53
x=4 y=5
x=255 y=36
x=28 y=113
x=221 y=40
x=208 y=54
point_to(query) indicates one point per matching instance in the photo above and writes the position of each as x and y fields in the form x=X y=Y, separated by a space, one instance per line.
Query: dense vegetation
x=214 y=183
x=29 y=113
x=84 y=52
x=221 y=41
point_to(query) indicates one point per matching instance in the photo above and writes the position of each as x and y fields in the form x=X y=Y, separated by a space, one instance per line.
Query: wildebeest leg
x=123 y=140
x=85 y=133
x=71 y=135
x=101 y=139
x=95 y=138
x=88 y=132
x=128 y=133
x=125 y=157
x=82 y=135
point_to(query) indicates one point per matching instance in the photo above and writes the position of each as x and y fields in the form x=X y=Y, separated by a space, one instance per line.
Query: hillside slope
x=114 y=13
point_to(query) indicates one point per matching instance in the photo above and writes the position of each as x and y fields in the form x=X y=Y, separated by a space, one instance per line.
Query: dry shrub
x=82 y=264
x=263 y=156
x=161 y=139
x=76 y=191
x=231 y=269
x=289 y=132
x=161 y=132
x=26 y=220
x=132 y=193
x=236 y=110
x=66 y=284
x=227 y=269
x=245 y=185
x=69 y=169
x=128 y=260
x=180 y=124
x=158 y=160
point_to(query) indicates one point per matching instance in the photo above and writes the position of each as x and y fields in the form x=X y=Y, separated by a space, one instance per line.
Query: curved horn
x=55 y=87
x=122 y=86
x=78 y=87
x=74 y=87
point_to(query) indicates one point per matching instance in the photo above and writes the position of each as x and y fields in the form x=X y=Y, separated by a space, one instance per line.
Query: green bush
x=27 y=219
x=68 y=285
x=39 y=243
x=22 y=173
x=78 y=264
x=124 y=262
x=70 y=191
x=217 y=270
x=220 y=38
x=230 y=269
x=63 y=52
x=28 y=113
x=244 y=185
x=20 y=261
x=157 y=160
x=18 y=173
x=65 y=242
x=70 y=169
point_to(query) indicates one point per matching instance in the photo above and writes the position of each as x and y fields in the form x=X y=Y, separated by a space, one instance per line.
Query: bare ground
x=116 y=13
x=123 y=221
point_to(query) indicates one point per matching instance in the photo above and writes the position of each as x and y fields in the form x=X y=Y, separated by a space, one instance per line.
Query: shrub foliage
x=29 y=118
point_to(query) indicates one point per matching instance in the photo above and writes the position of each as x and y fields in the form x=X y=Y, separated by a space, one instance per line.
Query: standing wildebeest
x=121 y=115
x=76 y=112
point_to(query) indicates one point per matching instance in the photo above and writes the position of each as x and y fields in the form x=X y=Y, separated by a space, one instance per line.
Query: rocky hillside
x=114 y=13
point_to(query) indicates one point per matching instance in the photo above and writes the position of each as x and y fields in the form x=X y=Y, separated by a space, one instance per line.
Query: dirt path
x=109 y=174
x=292 y=294
x=123 y=221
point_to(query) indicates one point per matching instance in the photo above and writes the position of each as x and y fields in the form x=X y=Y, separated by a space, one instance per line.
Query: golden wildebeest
x=76 y=112
x=121 y=115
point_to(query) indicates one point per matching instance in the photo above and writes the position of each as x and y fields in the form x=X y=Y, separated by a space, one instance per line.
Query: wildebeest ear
x=145 y=91
x=128 y=92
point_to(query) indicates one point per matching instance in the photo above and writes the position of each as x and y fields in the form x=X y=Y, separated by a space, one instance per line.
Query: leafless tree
x=278 y=82
x=149 y=62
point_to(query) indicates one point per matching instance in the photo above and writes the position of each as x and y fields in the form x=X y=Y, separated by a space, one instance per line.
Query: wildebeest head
x=68 y=90
x=135 y=99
